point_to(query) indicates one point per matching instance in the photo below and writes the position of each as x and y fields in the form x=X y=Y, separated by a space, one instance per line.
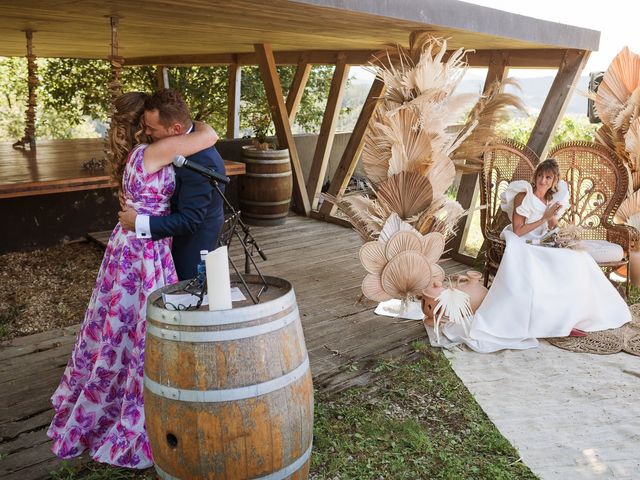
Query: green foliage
x=73 y=97
x=570 y=128
x=254 y=99
x=415 y=420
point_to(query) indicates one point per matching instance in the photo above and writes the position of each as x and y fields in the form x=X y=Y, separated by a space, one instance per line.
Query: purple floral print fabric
x=98 y=404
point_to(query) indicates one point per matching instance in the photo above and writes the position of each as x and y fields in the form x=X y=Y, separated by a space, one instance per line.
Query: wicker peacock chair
x=598 y=182
x=505 y=161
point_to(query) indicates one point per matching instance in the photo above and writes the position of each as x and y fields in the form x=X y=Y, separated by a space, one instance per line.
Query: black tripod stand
x=232 y=227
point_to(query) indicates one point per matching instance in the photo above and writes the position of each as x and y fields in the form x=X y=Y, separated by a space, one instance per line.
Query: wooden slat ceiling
x=72 y=28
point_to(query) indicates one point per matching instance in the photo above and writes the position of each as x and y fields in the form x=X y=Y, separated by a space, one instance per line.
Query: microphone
x=180 y=161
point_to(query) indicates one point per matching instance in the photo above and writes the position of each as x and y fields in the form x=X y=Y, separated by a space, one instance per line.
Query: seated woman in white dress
x=538 y=291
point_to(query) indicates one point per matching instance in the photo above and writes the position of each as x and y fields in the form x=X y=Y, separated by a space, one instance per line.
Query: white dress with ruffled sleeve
x=539 y=291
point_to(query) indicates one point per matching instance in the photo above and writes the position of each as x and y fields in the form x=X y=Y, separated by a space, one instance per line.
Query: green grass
x=414 y=420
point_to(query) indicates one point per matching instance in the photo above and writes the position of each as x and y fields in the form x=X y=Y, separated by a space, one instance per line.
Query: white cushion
x=603 y=251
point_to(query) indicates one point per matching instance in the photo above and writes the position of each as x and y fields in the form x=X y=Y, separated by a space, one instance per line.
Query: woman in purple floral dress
x=98 y=404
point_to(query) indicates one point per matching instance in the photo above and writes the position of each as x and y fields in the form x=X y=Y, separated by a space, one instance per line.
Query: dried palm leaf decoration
x=410 y=155
x=617 y=102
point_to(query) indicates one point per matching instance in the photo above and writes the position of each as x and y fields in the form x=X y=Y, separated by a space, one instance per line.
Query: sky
x=617 y=21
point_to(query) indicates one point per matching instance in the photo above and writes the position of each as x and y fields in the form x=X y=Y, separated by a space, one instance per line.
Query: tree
x=73 y=94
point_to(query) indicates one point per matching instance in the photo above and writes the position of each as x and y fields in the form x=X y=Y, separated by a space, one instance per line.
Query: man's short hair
x=171 y=107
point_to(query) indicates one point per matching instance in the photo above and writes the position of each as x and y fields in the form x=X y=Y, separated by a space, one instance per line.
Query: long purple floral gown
x=98 y=404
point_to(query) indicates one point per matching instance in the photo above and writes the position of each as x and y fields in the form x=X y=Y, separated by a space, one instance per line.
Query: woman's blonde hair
x=125 y=131
x=549 y=165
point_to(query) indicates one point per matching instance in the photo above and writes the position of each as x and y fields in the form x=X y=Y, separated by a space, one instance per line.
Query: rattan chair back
x=598 y=183
x=505 y=161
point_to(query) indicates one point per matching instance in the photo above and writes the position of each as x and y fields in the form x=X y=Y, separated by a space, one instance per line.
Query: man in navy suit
x=196 y=207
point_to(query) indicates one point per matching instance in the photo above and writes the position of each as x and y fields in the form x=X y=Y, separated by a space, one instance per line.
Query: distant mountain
x=534 y=92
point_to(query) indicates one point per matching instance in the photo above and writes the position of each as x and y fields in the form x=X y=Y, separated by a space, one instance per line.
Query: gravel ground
x=45 y=289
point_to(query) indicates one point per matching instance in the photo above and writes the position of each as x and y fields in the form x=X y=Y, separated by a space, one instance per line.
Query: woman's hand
x=551 y=211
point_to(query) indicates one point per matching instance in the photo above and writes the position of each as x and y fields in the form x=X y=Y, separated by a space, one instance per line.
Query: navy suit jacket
x=197 y=214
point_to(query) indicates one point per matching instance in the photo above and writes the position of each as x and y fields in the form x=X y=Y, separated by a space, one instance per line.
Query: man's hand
x=127 y=218
x=122 y=200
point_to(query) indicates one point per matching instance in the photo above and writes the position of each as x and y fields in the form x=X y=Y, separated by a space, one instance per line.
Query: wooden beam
x=327 y=131
x=314 y=57
x=557 y=100
x=297 y=87
x=468 y=188
x=162 y=77
x=273 y=89
x=351 y=154
x=233 y=101
x=519 y=58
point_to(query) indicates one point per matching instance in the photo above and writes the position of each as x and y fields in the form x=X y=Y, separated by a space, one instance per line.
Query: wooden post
x=557 y=100
x=115 y=87
x=273 y=89
x=351 y=154
x=162 y=77
x=468 y=188
x=233 y=100
x=29 y=137
x=327 y=130
x=297 y=87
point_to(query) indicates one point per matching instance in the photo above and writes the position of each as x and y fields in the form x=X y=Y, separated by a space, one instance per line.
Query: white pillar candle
x=218 y=283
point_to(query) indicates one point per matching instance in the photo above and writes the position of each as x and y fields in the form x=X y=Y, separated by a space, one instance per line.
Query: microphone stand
x=248 y=243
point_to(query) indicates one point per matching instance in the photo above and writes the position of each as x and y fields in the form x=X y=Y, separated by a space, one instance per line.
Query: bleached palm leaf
x=406 y=193
x=433 y=246
x=362 y=212
x=628 y=208
x=372 y=288
x=453 y=304
x=372 y=257
x=614 y=139
x=402 y=242
x=479 y=129
x=634 y=221
x=619 y=81
x=406 y=275
x=394 y=224
x=632 y=142
x=441 y=175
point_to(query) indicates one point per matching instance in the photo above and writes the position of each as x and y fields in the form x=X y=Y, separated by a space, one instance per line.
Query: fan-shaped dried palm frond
x=394 y=224
x=441 y=175
x=437 y=274
x=372 y=288
x=403 y=241
x=372 y=257
x=628 y=208
x=406 y=275
x=410 y=145
x=479 y=129
x=409 y=72
x=634 y=221
x=620 y=80
x=406 y=193
x=614 y=139
x=433 y=246
x=365 y=214
x=632 y=142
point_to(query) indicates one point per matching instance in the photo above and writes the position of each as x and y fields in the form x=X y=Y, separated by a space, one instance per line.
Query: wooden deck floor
x=318 y=258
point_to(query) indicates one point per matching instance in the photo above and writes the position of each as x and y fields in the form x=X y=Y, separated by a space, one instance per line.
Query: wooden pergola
x=343 y=33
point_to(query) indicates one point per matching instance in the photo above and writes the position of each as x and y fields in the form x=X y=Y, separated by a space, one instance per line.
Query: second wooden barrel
x=264 y=191
x=228 y=394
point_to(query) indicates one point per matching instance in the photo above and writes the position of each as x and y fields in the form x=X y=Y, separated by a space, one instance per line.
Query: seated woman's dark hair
x=549 y=165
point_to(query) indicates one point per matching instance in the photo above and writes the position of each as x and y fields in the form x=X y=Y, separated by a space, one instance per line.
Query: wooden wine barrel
x=264 y=191
x=228 y=394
